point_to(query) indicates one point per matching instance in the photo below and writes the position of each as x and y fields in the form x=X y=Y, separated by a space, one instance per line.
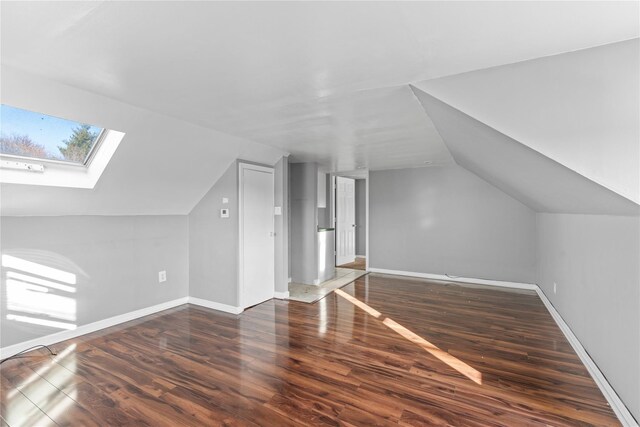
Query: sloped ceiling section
x=527 y=175
x=581 y=109
x=163 y=165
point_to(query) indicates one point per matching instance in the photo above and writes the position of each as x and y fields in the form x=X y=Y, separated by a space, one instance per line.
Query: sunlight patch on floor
x=455 y=363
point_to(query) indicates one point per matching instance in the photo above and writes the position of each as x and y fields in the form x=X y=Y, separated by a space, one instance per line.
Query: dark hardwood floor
x=358 y=264
x=383 y=351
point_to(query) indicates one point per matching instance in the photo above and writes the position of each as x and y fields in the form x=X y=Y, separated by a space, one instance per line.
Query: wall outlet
x=224 y=213
x=162 y=276
x=555 y=287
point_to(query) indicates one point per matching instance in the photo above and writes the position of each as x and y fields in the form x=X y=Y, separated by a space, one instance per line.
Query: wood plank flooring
x=358 y=264
x=383 y=351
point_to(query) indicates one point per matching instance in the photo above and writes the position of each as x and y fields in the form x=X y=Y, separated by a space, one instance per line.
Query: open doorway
x=312 y=237
x=350 y=220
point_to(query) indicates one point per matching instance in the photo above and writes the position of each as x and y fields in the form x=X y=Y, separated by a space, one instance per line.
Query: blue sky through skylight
x=42 y=129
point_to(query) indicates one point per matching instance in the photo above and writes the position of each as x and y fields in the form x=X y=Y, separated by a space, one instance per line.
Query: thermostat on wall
x=224 y=213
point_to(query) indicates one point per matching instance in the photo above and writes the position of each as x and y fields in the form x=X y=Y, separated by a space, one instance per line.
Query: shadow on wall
x=39 y=293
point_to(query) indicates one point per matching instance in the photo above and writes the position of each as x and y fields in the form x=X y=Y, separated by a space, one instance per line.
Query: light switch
x=277 y=210
x=224 y=213
x=225 y=200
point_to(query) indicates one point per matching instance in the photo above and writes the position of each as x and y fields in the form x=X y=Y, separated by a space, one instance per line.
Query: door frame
x=358 y=175
x=241 y=285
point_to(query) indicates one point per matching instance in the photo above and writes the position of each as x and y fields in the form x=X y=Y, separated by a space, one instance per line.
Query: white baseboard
x=360 y=256
x=215 y=305
x=609 y=393
x=281 y=295
x=470 y=280
x=90 y=327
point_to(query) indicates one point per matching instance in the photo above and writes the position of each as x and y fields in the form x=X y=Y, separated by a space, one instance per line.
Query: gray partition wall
x=361 y=217
x=281 y=177
x=213 y=243
x=303 y=182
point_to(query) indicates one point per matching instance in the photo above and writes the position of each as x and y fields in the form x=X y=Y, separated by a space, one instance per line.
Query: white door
x=257 y=250
x=345 y=220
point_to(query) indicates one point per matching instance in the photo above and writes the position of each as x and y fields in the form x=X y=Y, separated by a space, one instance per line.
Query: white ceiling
x=325 y=81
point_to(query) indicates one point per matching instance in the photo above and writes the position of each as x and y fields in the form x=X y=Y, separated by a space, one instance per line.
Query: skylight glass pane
x=28 y=134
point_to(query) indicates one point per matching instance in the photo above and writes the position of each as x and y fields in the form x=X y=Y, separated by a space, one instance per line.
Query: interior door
x=257 y=243
x=345 y=220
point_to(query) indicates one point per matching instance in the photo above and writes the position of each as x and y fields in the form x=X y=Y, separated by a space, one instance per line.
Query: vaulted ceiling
x=325 y=81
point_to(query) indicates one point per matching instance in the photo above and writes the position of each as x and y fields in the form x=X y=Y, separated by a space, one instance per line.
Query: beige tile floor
x=311 y=293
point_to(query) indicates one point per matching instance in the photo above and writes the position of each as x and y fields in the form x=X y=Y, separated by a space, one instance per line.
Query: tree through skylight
x=28 y=134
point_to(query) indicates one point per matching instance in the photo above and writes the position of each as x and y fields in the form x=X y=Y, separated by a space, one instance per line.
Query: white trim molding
x=624 y=415
x=621 y=411
x=215 y=305
x=90 y=327
x=444 y=277
x=281 y=295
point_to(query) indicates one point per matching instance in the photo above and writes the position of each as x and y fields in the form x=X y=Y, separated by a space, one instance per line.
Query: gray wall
x=361 y=216
x=303 y=183
x=213 y=243
x=446 y=220
x=281 y=177
x=324 y=214
x=116 y=260
x=594 y=261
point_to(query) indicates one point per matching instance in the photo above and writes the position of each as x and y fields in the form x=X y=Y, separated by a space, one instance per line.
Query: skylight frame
x=64 y=163
x=47 y=172
x=87 y=161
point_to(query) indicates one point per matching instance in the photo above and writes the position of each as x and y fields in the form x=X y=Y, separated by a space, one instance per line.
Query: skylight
x=32 y=135
x=37 y=149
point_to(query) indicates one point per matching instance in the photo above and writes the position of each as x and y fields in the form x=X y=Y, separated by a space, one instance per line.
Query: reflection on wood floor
x=382 y=351
x=359 y=264
x=312 y=293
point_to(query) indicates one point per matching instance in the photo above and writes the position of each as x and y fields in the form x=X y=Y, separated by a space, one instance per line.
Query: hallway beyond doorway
x=359 y=264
